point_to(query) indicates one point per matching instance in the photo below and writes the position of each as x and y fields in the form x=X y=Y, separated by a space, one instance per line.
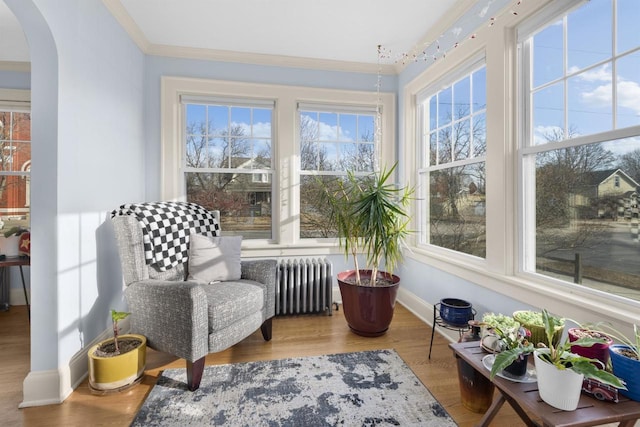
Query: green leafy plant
x=116 y=316
x=499 y=320
x=15 y=231
x=560 y=355
x=371 y=215
x=632 y=343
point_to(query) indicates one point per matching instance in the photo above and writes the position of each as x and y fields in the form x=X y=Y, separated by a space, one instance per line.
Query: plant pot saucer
x=529 y=377
x=99 y=392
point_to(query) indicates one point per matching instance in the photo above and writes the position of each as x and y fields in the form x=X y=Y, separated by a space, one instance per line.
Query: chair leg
x=194 y=373
x=266 y=329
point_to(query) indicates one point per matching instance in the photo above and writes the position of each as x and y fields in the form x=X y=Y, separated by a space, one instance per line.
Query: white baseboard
x=52 y=387
x=41 y=388
x=16 y=296
x=424 y=311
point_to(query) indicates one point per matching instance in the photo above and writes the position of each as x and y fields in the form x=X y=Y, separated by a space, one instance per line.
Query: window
x=451 y=169
x=580 y=155
x=333 y=140
x=15 y=167
x=228 y=154
x=235 y=146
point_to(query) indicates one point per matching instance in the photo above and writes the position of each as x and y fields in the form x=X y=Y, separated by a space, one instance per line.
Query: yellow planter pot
x=110 y=373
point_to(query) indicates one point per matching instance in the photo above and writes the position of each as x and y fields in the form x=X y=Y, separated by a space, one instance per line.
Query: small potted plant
x=625 y=358
x=561 y=372
x=513 y=348
x=371 y=216
x=532 y=320
x=119 y=362
x=10 y=241
x=599 y=351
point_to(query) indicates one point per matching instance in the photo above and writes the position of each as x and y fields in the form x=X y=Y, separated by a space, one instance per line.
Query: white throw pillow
x=214 y=259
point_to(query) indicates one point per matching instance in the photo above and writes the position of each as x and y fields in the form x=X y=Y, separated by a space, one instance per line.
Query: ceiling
x=342 y=30
x=282 y=31
x=13 y=44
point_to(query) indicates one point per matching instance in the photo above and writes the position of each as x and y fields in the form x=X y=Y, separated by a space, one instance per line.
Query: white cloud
x=600 y=96
x=540 y=132
x=600 y=74
x=629 y=95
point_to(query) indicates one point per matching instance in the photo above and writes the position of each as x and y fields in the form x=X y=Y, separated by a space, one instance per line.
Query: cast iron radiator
x=304 y=286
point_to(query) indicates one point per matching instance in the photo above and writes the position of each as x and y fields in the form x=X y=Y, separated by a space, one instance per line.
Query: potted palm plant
x=119 y=362
x=370 y=215
x=560 y=373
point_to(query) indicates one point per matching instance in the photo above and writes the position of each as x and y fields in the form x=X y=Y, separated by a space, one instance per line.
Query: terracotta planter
x=117 y=372
x=628 y=370
x=596 y=351
x=368 y=309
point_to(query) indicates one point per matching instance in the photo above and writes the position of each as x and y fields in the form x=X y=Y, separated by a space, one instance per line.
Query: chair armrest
x=172 y=315
x=265 y=272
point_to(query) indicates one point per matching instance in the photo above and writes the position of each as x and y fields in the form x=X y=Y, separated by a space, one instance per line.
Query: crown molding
x=444 y=24
x=264 y=59
x=122 y=16
x=24 y=67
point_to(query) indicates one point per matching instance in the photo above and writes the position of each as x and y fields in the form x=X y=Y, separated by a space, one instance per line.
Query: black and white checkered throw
x=166 y=227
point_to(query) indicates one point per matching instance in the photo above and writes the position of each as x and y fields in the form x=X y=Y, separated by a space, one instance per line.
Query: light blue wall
x=431 y=285
x=15 y=80
x=157 y=66
x=88 y=157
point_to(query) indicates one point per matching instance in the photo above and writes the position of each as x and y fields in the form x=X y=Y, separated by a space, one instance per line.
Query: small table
x=524 y=397
x=11 y=262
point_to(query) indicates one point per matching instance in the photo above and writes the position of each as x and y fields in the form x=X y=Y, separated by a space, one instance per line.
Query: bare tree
x=227 y=149
x=12 y=150
x=457 y=193
x=563 y=173
x=630 y=164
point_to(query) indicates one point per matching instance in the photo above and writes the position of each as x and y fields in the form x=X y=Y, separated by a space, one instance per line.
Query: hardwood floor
x=292 y=337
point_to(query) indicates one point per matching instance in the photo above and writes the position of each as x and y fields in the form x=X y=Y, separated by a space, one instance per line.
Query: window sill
x=565 y=299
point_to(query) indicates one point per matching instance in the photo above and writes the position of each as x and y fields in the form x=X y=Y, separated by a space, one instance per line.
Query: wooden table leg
x=26 y=298
x=521 y=412
x=492 y=411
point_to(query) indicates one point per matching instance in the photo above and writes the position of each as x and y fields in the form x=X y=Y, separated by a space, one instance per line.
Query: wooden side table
x=525 y=399
x=4 y=275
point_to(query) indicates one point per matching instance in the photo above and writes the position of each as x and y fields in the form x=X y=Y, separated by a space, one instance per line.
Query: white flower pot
x=558 y=388
x=9 y=245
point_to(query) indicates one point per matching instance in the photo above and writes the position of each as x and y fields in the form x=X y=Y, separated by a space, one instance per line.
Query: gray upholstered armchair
x=188 y=318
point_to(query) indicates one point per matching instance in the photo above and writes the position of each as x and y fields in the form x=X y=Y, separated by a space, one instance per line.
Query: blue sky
x=592 y=67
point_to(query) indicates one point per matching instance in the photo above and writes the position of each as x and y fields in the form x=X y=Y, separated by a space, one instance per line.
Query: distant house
x=255 y=188
x=612 y=192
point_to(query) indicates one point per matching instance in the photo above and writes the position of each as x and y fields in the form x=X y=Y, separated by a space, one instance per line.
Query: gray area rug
x=371 y=388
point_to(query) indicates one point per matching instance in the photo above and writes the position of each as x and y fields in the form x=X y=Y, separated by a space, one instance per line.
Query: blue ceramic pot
x=455 y=311
x=626 y=369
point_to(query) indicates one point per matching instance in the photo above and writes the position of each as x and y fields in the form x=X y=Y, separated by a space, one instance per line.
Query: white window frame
x=285 y=199
x=229 y=102
x=18 y=101
x=423 y=170
x=500 y=272
x=527 y=149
